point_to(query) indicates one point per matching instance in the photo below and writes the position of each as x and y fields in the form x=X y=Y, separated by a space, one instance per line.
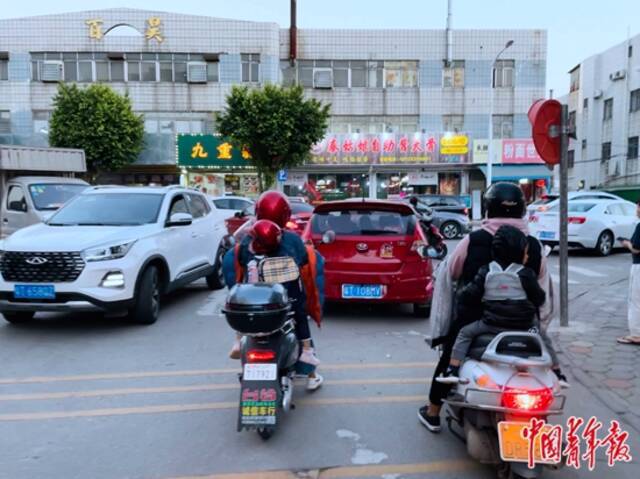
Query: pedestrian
x=633 y=313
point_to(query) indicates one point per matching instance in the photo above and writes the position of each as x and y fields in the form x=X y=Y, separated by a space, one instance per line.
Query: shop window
x=5 y=121
x=338 y=187
x=503 y=74
x=502 y=126
x=250 y=67
x=449 y=183
x=400 y=74
x=607 y=111
x=453 y=75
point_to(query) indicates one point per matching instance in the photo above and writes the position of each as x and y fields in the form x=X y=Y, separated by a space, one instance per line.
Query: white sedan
x=551 y=200
x=596 y=224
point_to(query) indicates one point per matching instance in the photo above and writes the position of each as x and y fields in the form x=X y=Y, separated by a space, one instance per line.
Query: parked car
x=31 y=199
x=300 y=214
x=371 y=251
x=234 y=203
x=450 y=203
x=111 y=249
x=595 y=223
x=550 y=200
x=450 y=223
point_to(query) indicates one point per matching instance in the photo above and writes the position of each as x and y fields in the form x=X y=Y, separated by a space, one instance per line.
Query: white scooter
x=504 y=382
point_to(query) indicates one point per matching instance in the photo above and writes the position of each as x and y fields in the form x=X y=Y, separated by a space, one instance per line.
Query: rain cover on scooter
x=442 y=304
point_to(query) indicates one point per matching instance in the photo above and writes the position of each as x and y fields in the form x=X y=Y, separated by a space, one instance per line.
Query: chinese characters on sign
x=95 y=28
x=519 y=151
x=209 y=151
x=258 y=406
x=153 y=29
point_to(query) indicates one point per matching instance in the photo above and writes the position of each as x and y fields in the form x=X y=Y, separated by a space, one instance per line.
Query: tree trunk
x=260 y=180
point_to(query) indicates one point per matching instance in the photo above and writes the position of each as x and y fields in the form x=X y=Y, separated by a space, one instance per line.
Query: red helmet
x=266 y=236
x=273 y=206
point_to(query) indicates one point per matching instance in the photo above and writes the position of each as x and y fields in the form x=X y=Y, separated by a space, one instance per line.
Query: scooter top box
x=257 y=308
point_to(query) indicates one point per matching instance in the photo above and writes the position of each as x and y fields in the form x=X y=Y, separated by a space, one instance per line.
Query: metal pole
x=564 y=217
x=490 y=146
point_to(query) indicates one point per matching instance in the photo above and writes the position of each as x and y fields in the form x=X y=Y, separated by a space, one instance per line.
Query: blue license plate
x=34 y=291
x=547 y=235
x=362 y=291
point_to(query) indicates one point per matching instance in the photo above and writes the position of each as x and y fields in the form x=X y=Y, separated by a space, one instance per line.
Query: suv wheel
x=19 y=317
x=450 y=230
x=216 y=280
x=147 y=304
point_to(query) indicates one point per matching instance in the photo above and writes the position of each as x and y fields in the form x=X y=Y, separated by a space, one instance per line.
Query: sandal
x=628 y=340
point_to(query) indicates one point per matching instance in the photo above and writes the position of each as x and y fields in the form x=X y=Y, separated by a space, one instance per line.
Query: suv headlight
x=104 y=253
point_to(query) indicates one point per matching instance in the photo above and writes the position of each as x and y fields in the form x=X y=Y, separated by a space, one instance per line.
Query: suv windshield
x=109 y=209
x=48 y=196
x=363 y=223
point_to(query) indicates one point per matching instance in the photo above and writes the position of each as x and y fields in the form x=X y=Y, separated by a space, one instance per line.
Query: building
x=604 y=106
x=390 y=88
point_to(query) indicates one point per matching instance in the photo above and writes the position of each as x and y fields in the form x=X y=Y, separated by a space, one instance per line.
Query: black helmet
x=504 y=200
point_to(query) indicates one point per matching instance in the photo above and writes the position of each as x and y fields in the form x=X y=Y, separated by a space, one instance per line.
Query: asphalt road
x=92 y=397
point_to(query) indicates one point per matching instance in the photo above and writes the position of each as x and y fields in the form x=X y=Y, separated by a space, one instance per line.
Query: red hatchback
x=370 y=250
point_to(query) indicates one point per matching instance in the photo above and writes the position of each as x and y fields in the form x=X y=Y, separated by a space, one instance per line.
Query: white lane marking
x=556 y=279
x=586 y=272
x=367 y=456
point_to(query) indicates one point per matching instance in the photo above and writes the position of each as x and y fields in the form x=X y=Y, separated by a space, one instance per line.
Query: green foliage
x=101 y=122
x=276 y=124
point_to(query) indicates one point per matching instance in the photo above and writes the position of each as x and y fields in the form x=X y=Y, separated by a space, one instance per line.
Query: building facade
x=177 y=70
x=604 y=106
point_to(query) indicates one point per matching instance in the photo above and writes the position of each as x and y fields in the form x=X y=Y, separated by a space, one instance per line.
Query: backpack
x=503 y=284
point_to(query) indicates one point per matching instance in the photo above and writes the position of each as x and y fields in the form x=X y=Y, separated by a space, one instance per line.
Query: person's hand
x=627 y=244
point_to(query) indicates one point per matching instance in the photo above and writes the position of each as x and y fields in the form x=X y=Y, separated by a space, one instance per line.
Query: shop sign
x=296 y=179
x=210 y=151
x=454 y=145
x=520 y=151
x=481 y=151
x=153 y=29
x=384 y=149
x=422 y=178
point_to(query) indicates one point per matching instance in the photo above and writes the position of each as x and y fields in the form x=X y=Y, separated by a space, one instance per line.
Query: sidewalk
x=590 y=354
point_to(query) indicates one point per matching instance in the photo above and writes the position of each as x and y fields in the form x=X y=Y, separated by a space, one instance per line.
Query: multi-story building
x=604 y=105
x=177 y=70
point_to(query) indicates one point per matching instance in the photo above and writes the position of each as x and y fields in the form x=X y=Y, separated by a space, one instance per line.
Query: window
x=575 y=79
x=358 y=74
x=341 y=74
x=51 y=196
x=288 y=73
x=572 y=121
x=584 y=144
x=250 y=67
x=149 y=71
x=629 y=210
x=349 y=73
x=117 y=71
x=634 y=103
x=571 y=158
x=503 y=74
x=606 y=152
x=585 y=103
x=607 y=112
x=502 y=126
x=615 y=209
x=41 y=121
x=453 y=75
x=5 y=121
x=16 y=200
x=223 y=204
x=375 y=74
x=630 y=51
x=632 y=148
x=199 y=207
x=4 y=69
x=213 y=72
x=400 y=74
x=453 y=123
x=178 y=205
x=114 y=209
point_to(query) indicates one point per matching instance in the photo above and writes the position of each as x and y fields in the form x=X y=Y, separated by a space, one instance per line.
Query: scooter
x=504 y=382
x=262 y=313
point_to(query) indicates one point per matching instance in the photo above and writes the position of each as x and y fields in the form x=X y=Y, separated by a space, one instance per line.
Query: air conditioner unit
x=196 y=72
x=323 y=78
x=619 y=75
x=597 y=94
x=51 y=71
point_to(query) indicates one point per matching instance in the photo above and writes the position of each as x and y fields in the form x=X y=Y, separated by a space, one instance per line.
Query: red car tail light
x=466 y=211
x=291 y=225
x=533 y=219
x=528 y=401
x=577 y=220
x=261 y=356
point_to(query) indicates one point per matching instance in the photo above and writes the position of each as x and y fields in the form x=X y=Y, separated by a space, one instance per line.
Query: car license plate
x=514 y=447
x=34 y=291
x=362 y=291
x=260 y=372
x=548 y=235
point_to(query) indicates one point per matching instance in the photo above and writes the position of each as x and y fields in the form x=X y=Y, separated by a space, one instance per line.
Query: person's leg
x=235 y=349
x=308 y=355
x=633 y=315
x=465 y=338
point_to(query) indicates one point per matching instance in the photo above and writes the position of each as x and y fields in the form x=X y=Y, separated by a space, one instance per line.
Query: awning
x=517 y=172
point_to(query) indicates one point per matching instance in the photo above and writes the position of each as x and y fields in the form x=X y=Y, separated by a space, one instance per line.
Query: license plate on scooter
x=258 y=404
x=260 y=372
x=514 y=447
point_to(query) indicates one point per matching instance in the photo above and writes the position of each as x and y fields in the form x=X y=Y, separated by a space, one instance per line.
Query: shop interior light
x=523 y=181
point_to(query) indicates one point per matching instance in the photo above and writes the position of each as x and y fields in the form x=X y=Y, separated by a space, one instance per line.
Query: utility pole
x=564 y=216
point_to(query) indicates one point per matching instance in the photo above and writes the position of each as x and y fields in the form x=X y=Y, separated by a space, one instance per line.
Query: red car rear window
x=367 y=222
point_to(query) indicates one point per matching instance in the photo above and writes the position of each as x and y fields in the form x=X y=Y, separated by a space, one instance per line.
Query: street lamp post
x=490 y=146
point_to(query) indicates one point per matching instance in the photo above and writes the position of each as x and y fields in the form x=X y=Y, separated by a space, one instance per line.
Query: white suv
x=112 y=249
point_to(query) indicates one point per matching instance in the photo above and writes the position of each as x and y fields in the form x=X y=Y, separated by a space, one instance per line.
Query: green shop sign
x=210 y=151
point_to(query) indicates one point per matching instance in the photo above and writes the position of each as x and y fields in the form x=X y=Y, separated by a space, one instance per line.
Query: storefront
x=386 y=166
x=215 y=167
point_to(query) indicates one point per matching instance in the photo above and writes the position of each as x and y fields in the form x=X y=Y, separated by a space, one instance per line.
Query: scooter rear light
x=528 y=401
x=260 y=356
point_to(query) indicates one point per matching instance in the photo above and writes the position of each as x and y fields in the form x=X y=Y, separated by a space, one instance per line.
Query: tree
x=99 y=121
x=277 y=125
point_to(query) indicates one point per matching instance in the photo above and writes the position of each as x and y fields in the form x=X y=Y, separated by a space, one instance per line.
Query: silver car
x=451 y=224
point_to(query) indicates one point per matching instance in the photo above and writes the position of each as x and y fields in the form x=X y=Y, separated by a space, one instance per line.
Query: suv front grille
x=41 y=267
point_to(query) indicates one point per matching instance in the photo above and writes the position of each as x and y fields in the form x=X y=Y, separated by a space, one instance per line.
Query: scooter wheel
x=265 y=434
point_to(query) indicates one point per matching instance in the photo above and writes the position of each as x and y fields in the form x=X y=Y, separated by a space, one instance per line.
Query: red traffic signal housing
x=545 y=117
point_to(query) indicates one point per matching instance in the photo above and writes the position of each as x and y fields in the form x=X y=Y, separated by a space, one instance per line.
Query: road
x=92 y=397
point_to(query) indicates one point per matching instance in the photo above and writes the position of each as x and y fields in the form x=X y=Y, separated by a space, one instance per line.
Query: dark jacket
x=508 y=314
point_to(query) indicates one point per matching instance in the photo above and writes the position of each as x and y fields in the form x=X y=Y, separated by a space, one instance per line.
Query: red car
x=371 y=253
x=300 y=214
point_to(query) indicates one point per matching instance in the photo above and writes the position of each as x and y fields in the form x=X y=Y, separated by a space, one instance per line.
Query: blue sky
x=576 y=28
